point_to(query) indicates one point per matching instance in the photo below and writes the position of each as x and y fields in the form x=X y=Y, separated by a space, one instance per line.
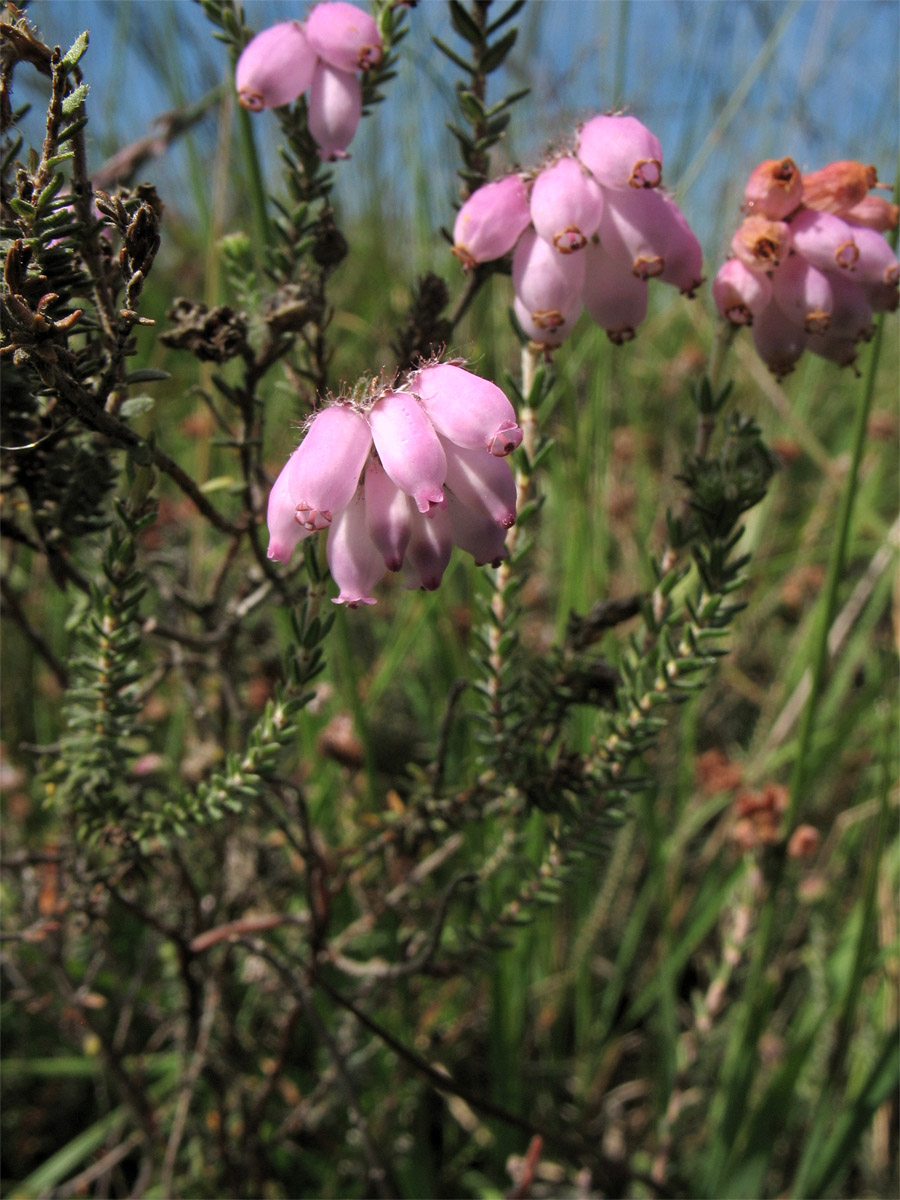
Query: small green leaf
x=135 y=405
x=74 y=100
x=75 y=51
x=498 y=52
x=453 y=56
x=464 y=24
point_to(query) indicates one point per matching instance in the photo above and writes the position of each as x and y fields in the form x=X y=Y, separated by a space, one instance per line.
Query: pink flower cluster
x=810 y=263
x=587 y=231
x=399 y=479
x=323 y=56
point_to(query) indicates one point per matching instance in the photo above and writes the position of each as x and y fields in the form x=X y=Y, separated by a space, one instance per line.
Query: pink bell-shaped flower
x=476 y=533
x=353 y=558
x=779 y=343
x=635 y=230
x=323 y=472
x=825 y=240
x=620 y=152
x=566 y=205
x=803 y=293
x=548 y=284
x=489 y=223
x=429 y=549
x=409 y=448
x=761 y=244
x=774 y=189
x=275 y=67
x=851 y=313
x=344 y=36
x=873 y=212
x=470 y=411
x=482 y=482
x=877 y=262
x=281 y=517
x=683 y=254
x=543 y=335
x=838 y=186
x=739 y=293
x=388 y=515
x=615 y=298
x=839 y=350
x=335 y=110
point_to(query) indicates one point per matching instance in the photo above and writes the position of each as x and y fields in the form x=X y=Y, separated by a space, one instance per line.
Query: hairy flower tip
x=566 y=205
x=838 y=186
x=275 y=67
x=774 y=189
x=620 y=152
x=739 y=293
x=761 y=243
x=335 y=110
x=803 y=293
x=779 y=343
x=489 y=223
x=323 y=472
x=409 y=449
x=344 y=36
x=615 y=298
x=468 y=410
x=548 y=284
x=353 y=558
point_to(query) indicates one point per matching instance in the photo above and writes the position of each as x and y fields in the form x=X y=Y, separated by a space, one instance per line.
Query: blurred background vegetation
x=618 y=1007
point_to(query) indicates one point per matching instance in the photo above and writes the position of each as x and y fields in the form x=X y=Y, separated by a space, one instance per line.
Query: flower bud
x=481 y=482
x=335 y=109
x=566 y=205
x=620 y=152
x=470 y=411
x=761 y=244
x=803 y=293
x=409 y=448
x=548 y=284
x=739 y=293
x=344 y=36
x=324 y=470
x=774 y=189
x=353 y=558
x=615 y=298
x=281 y=517
x=388 y=515
x=489 y=223
x=838 y=186
x=275 y=67
x=825 y=240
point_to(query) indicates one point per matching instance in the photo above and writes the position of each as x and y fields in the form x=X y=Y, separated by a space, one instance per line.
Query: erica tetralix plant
x=810 y=263
x=588 y=230
x=323 y=56
x=400 y=477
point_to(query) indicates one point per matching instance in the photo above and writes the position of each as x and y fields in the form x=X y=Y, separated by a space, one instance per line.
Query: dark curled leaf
x=464 y=24
x=498 y=52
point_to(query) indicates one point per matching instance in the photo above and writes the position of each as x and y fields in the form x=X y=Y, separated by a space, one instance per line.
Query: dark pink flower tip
x=344 y=36
x=620 y=152
x=429 y=550
x=566 y=205
x=489 y=223
x=409 y=448
x=335 y=110
x=779 y=343
x=476 y=533
x=388 y=515
x=469 y=410
x=275 y=67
